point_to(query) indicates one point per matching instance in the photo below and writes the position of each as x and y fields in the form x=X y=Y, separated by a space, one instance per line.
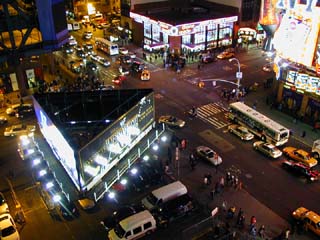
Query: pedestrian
x=199 y=66
x=236 y=182
x=212 y=192
x=228 y=178
x=231 y=212
x=261 y=232
x=193 y=165
x=217 y=188
x=287 y=233
x=239 y=185
x=205 y=180
x=303 y=134
x=240 y=213
x=253 y=231
x=222 y=182
x=209 y=177
x=253 y=221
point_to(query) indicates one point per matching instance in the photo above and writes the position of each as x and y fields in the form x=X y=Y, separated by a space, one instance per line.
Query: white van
x=164 y=194
x=133 y=227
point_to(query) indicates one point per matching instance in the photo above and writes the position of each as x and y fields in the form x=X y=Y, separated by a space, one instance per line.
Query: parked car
x=68 y=209
x=171 y=121
x=241 y=132
x=8 y=228
x=309 y=219
x=19 y=129
x=207 y=154
x=123 y=212
x=24 y=111
x=11 y=111
x=4 y=208
x=300 y=169
x=268 y=149
x=300 y=155
x=174 y=209
x=137 y=66
x=3 y=120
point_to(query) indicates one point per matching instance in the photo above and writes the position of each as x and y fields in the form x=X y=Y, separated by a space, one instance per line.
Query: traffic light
x=201 y=84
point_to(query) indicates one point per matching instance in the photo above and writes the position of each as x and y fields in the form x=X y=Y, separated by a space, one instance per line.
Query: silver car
x=19 y=129
x=207 y=154
x=267 y=148
x=241 y=132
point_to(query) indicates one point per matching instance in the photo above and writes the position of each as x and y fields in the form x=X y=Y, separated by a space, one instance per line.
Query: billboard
x=296 y=38
x=110 y=146
x=303 y=81
x=58 y=144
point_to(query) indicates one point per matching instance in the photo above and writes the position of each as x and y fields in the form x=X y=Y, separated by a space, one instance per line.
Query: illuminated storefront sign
x=183 y=29
x=303 y=82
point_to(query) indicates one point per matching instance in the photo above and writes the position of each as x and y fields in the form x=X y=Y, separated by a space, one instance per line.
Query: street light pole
x=238 y=75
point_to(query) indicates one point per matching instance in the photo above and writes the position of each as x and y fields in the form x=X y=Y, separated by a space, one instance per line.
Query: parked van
x=164 y=194
x=133 y=227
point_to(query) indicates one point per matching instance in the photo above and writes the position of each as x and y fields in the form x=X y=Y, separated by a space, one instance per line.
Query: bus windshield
x=259 y=124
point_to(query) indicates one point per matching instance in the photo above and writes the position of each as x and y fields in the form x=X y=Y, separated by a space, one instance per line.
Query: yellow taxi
x=300 y=155
x=310 y=219
x=145 y=75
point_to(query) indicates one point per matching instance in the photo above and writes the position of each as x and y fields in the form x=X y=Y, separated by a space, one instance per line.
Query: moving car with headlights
x=145 y=75
x=300 y=169
x=118 y=80
x=267 y=67
x=267 y=149
x=87 y=35
x=171 y=121
x=207 y=154
x=8 y=228
x=11 y=111
x=310 y=219
x=4 y=208
x=19 y=129
x=3 y=120
x=134 y=226
x=123 y=51
x=300 y=155
x=137 y=66
x=24 y=111
x=241 y=132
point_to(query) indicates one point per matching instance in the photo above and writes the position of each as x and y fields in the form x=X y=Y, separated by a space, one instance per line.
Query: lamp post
x=238 y=75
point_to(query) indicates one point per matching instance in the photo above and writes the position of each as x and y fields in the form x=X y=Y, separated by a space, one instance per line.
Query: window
x=147 y=225
x=147 y=30
x=186 y=39
x=128 y=234
x=137 y=230
x=156 y=33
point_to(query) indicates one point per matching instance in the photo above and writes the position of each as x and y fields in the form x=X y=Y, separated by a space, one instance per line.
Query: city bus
x=106 y=46
x=260 y=125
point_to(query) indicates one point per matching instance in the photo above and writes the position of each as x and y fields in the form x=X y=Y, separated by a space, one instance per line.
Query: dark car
x=68 y=209
x=154 y=172
x=120 y=214
x=137 y=66
x=24 y=111
x=138 y=180
x=174 y=209
x=125 y=59
x=91 y=66
x=301 y=170
x=208 y=59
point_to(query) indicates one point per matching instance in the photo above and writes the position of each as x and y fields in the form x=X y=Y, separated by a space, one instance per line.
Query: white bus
x=257 y=123
x=107 y=46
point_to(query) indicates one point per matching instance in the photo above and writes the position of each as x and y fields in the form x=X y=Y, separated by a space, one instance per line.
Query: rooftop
x=81 y=116
x=177 y=14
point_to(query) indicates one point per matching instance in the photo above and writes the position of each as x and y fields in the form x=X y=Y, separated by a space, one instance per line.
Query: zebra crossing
x=214 y=114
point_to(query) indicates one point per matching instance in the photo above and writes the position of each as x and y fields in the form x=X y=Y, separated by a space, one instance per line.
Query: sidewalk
x=286 y=120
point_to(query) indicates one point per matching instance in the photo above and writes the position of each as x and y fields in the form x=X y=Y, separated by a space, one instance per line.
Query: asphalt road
x=175 y=94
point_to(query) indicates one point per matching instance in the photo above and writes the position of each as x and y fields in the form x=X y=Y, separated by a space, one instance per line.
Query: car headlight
x=312 y=179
